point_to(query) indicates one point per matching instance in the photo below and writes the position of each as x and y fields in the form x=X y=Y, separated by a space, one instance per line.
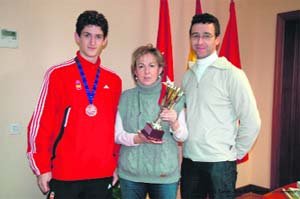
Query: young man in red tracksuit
x=71 y=146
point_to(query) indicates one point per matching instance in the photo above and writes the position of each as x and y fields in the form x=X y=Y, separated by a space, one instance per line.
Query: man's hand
x=43 y=181
x=115 y=177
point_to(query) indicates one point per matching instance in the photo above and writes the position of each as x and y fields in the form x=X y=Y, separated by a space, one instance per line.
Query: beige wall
x=46 y=30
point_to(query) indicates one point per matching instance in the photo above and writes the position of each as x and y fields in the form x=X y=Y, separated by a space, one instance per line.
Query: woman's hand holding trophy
x=153 y=131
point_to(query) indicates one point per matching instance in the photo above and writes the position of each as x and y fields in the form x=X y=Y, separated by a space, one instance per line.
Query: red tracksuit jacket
x=61 y=137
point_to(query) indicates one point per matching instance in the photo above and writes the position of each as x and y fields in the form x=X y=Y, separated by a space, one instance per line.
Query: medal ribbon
x=90 y=93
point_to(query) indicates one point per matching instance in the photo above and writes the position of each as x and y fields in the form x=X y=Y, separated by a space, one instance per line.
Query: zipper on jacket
x=61 y=132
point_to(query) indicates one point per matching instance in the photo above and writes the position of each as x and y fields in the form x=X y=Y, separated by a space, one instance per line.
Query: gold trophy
x=153 y=131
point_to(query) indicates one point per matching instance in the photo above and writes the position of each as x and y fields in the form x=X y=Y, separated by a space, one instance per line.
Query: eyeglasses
x=205 y=36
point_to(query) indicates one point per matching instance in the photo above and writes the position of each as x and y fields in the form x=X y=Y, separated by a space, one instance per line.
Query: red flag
x=230 y=47
x=164 y=43
x=198 y=7
x=192 y=56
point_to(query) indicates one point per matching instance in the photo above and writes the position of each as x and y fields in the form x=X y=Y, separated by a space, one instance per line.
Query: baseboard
x=251 y=188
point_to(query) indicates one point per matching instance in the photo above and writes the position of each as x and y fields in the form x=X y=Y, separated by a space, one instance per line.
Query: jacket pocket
x=61 y=131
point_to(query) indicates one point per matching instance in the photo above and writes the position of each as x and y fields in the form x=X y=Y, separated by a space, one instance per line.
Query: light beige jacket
x=222 y=117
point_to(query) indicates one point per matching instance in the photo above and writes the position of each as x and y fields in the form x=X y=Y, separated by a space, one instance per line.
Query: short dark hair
x=91 y=17
x=206 y=18
x=142 y=50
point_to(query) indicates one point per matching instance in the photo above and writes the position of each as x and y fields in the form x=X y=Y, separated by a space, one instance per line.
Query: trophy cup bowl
x=153 y=130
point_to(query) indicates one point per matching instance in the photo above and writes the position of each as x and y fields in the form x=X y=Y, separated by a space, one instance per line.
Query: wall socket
x=14 y=129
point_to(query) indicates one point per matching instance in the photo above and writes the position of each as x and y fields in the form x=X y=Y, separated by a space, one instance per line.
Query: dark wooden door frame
x=282 y=18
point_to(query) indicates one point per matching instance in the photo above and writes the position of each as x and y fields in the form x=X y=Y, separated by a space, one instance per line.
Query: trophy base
x=152 y=134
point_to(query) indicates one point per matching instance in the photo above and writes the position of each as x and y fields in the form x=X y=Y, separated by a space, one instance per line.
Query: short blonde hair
x=142 y=50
